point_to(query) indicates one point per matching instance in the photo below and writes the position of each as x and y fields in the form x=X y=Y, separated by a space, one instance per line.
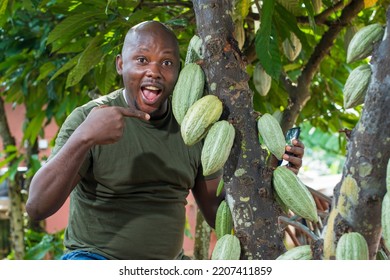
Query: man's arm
x=204 y=190
x=205 y=194
x=55 y=180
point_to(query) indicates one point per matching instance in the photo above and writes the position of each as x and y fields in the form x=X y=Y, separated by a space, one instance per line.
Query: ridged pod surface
x=386 y=219
x=217 y=145
x=355 y=87
x=199 y=118
x=388 y=176
x=188 y=89
x=292 y=48
x=194 y=50
x=261 y=80
x=294 y=193
x=227 y=248
x=362 y=44
x=352 y=246
x=272 y=134
x=302 y=252
x=223 y=220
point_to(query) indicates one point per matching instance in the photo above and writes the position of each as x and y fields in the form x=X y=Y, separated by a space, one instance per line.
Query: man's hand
x=295 y=155
x=105 y=124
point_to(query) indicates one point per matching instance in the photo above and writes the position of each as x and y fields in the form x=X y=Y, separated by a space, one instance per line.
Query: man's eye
x=141 y=59
x=167 y=63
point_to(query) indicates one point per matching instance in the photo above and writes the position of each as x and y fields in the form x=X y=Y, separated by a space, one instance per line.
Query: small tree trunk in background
x=358 y=197
x=14 y=193
x=202 y=238
x=247 y=178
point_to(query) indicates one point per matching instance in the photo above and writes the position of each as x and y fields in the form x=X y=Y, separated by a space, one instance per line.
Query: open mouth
x=150 y=93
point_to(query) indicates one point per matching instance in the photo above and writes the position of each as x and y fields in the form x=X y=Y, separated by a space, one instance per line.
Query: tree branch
x=326 y=42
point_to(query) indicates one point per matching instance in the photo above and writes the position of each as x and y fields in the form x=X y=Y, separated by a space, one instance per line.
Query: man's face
x=149 y=65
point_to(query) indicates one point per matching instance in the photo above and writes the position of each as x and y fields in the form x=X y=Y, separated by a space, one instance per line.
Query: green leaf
x=267 y=47
x=289 y=22
x=34 y=127
x=45 y=70
x=89 y=58
x=3 y=6
x=39 y=251
x=72 y=26
x=270 y=56
x=310 y=10
x=106 y=74
x=71 y=63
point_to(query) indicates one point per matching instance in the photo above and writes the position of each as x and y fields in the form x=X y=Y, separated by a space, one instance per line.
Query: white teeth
x=151 y=88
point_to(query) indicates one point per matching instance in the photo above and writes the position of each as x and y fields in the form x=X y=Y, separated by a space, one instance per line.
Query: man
x=123 y=162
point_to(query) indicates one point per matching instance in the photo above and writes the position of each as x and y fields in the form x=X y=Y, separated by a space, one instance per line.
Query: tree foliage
x=57 y=54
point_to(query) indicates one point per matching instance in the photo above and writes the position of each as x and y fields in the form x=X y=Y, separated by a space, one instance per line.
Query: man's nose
x=153 y=70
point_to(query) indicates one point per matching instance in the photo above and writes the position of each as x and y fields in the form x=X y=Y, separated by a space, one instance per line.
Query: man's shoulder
x=112 y=98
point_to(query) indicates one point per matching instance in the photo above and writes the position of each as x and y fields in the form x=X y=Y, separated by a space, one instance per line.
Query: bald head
x=150 y=28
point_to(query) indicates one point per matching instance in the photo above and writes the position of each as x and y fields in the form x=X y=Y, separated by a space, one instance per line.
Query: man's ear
x=119 y=64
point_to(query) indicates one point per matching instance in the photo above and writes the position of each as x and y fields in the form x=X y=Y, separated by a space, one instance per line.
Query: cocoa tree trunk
x=359 y=194
x=14 y=193
x=247 y=178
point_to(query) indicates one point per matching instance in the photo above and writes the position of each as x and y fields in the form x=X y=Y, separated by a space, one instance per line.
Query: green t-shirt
x=130 y=203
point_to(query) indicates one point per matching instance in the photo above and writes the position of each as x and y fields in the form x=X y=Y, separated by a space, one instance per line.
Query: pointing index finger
x=128 y=112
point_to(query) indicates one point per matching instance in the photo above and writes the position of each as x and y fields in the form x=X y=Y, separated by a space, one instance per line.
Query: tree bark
x=247 y=178
x=359 y=194
x=14 y=193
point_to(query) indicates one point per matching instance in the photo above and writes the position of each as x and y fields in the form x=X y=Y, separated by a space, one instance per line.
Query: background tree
x=57 y=54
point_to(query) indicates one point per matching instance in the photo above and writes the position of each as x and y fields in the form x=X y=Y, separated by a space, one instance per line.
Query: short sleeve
x=67 y=129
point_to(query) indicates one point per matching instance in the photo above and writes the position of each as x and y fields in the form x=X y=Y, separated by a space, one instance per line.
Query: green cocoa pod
x=294 y=193
x=349 y=33
x=352 y=246
x=381 y=255
x=362 y=44
x=388 y=176
x=217 y=145
x=355 y=87
x=239 y=33
x=199 y=118
x=302 y=252
x=220 y=187
x=194 y=50
x=223 y=220
x=227 y=248
x=292 y=47
x=278 y=115
x=386 y=220
x=261 y=80
x=188 y=89
x=272 y=135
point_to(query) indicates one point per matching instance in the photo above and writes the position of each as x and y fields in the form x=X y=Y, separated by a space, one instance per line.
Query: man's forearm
x=55 y=180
